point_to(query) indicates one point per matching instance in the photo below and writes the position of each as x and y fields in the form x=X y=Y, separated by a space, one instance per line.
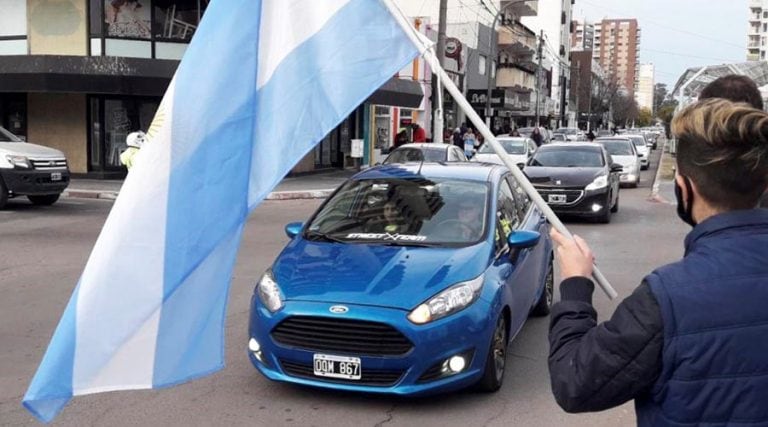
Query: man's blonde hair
x=723 y=148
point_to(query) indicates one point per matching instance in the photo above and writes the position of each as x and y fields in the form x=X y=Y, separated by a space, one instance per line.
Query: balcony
x=755 y=4
x=754 y=30
x=515 y=42
x=753 y=57
x=515 y=78
x=520 y=9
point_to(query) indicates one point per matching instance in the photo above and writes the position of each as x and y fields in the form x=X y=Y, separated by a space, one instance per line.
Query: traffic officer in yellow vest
x=134 y=140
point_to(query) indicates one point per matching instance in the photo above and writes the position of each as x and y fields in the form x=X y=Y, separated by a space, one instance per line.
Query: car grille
x=571 y=196
x=49 y=164
x=348 y=336
x=370 y=377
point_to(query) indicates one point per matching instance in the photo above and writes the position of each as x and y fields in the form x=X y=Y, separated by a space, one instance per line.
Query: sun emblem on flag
x=157 y=122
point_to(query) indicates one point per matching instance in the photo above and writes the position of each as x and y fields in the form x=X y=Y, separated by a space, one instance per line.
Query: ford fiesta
x=410 y=279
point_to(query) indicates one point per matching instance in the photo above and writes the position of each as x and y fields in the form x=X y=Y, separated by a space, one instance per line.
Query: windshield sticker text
x=387 y=236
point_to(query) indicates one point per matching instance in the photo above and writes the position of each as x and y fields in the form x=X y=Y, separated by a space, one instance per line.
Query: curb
x=654 y=196
x=277 y=195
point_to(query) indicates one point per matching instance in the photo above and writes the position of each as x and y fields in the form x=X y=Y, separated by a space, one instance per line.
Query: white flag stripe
x=277 y=39
x=134 y=282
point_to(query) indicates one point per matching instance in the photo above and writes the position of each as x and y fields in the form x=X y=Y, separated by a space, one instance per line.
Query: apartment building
x=617 y=49
x=757 y=30
x=645 y=86
x=583 y=36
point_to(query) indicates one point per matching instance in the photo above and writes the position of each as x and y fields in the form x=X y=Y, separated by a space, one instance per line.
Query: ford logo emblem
x=338 y=309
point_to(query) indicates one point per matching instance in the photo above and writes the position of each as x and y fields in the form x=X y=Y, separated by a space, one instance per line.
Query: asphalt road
x=43 y=251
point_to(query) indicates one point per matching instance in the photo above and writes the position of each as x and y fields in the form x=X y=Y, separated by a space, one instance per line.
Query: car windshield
x=6 y=136
x=405 y=155
x=403 y=212
x=525 y=131
x=567 y=131
x=568 y=157
x=511 y=146
x=617 y=147
x=639 y=141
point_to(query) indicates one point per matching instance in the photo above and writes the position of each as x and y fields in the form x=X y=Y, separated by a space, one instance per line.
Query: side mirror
x=522 y=239
x=293 y=229
x=617 y=167
x=639 y=155
x=521 y=166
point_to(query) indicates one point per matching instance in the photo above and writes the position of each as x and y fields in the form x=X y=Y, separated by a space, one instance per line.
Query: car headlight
x=599 y=182
x=269 y=292
x=19 y=161
x=447 y=302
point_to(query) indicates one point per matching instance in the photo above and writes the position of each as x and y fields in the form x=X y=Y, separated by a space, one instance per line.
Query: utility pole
x=437 y=108
x=538 y=77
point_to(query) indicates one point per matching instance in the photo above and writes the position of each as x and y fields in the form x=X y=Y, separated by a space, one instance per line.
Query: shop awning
x=109 y=75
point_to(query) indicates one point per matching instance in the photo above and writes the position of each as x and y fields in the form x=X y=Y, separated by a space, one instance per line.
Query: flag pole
x=430 y=57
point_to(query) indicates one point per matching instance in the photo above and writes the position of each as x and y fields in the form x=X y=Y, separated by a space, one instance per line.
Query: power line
x=670 y=28
x=689 y=56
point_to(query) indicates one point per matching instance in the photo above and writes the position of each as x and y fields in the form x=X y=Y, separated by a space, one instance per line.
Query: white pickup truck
x=38 y=172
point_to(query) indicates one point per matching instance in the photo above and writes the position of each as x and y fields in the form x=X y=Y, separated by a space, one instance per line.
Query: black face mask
x=685 y=212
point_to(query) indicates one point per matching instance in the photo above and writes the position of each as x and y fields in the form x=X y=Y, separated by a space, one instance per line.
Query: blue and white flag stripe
x=261 y=83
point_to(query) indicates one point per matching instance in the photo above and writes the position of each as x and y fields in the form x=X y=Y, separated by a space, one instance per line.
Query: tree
x=659 y=96
x=645 y=117
x=666 y=112
x=625 y=109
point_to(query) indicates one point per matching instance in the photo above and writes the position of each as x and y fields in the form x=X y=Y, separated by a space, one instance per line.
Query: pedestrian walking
x=419 y=134
x=688 y=345
x=134 y=141
x=401 y=138
x=469 y=143
x=458 y=138
x=590 y=136
x=536 y=137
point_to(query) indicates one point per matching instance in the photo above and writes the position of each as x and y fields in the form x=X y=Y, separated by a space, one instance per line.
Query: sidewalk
x=663 y=190
x=311 y=186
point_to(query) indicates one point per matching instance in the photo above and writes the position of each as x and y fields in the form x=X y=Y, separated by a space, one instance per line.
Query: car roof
x=426 y=145
x=472 y=171
x=613 y=138
x=570 y=145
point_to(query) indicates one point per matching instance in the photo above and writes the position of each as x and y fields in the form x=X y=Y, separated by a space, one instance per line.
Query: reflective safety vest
x=127 y=156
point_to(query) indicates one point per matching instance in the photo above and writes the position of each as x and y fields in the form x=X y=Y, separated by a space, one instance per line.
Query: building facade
x=645 y=86
x=757 y=30
x=79 y=75
x=583 y=37
x=617 y=49
x=589 y=90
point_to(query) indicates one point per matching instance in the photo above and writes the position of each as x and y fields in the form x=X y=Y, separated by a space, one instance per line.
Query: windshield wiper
x=411 y=244
x=320 y=236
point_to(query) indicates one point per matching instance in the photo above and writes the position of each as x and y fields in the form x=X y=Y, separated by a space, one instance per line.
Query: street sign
x=357 y=149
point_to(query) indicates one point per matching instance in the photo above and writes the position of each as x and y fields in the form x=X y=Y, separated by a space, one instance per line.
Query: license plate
x=556 y=198
x=337 y=366
x=56 y=176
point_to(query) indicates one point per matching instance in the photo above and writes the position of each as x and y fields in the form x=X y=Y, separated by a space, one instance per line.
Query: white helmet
x=135 y=139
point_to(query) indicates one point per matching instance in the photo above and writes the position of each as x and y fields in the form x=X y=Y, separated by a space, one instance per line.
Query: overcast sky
x=678 y=34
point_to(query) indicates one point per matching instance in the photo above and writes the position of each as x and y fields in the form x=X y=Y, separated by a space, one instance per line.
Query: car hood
x=625 y=161
x=494 y=158
x=568 y=177
x=27 y=149
x=389 y=276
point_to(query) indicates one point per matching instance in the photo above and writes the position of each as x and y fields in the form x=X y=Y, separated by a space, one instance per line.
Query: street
x=44 y=250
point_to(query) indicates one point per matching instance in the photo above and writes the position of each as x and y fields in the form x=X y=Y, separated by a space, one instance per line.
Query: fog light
x=457 y=364
x=596 y=208
x=253 y=345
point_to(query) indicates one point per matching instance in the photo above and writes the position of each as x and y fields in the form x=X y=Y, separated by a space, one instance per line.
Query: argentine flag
x=261 y=83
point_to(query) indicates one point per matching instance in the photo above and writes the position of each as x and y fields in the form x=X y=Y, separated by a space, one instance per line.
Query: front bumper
x=582 y=205
x=644 y=161
x=466 y=332
x=629 y=178
x=23 y=182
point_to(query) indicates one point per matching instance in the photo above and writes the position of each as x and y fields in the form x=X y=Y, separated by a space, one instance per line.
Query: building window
x=128 y=18
x=13 y=27
x=176 y=19
x=111 y=120
x=481 y=63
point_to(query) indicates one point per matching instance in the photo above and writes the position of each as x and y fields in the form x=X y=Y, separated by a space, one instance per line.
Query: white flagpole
x=430 y=57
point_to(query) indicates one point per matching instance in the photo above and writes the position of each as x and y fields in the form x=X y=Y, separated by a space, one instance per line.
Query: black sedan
x=577 y=179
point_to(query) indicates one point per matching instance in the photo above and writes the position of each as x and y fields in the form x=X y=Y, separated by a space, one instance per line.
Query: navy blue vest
x=714 y=304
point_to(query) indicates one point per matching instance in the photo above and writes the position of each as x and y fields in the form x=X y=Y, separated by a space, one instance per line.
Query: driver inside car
x=469 y=219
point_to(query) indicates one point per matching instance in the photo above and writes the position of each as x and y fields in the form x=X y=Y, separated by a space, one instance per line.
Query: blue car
x=410 y=279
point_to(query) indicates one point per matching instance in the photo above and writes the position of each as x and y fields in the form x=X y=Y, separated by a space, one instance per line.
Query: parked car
x=426 y=152
x=409 y=279
x=623 y=152
x=37 y=172
x=519 y=148
x=559 y=137
x=642 y=148
x=576 y=178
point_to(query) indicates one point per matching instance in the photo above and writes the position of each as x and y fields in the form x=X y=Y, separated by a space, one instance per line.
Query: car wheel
x=3 y=194
x=544 y=305
x=45 y=200
x=495 y=363
x=615 y=207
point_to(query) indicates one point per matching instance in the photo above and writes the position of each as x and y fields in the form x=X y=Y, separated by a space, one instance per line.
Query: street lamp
x=492 y=55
